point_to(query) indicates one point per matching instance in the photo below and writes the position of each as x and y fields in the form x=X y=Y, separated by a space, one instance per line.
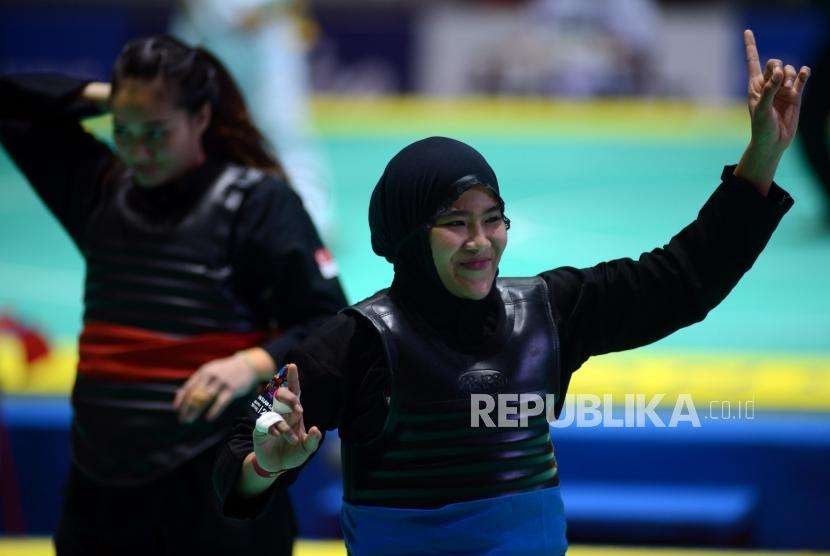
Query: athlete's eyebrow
x=452 y=213
x=155 y=123
x=143 y=125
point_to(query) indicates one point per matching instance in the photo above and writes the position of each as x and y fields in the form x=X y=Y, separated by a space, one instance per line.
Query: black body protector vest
x=429 y=454
x=173 y=277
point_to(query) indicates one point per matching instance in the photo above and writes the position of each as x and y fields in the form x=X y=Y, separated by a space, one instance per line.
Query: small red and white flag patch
x=325 y=262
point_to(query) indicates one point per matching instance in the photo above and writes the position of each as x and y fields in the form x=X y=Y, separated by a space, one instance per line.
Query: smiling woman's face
x=467 y=242
x=156 y=140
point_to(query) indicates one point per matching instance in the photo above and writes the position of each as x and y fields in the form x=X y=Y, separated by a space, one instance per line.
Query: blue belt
x=526 y=523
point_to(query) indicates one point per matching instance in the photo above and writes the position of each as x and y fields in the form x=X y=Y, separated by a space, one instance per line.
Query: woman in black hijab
x=403 y=373
x=419 y=185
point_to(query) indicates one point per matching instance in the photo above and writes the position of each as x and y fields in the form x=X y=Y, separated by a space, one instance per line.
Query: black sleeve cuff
x=226 y=471
x=776 y=197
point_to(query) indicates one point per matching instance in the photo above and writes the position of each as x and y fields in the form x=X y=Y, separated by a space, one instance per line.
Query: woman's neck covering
x=418 y=183
x=170 y=202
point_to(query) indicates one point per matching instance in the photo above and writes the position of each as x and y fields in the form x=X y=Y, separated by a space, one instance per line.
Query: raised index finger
x=293 y=379
x=753 y=63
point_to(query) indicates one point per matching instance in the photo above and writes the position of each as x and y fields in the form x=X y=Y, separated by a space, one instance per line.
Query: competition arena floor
x=583 y=182
x=43 y=547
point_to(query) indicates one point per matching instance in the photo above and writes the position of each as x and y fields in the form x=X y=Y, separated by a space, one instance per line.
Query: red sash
x=117 y=352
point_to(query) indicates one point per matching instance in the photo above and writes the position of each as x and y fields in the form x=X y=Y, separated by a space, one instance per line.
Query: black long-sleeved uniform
x=274 y=241
x=140 y=483
x=613 y=306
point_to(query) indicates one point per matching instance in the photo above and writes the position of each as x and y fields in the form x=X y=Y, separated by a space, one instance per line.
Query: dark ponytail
x=201 y=78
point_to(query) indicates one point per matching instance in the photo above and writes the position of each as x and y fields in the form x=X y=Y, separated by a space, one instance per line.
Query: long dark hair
x=201 y=78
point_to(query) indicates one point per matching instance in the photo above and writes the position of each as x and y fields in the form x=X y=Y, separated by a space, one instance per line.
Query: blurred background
x=608 y=123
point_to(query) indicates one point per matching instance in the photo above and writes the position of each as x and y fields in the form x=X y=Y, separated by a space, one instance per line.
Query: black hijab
x=418 y=183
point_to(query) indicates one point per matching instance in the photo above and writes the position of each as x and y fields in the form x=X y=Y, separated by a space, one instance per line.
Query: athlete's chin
x=474 y=289
x=150 y=179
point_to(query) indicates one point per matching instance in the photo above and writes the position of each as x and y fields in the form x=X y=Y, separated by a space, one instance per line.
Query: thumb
x=771 y=87
x=312 y=440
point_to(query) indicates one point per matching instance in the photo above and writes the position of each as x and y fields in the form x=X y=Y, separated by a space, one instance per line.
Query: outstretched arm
x=624 y=304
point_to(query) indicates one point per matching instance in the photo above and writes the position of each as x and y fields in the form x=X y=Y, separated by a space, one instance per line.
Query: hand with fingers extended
x=774 y=97
x=774 y=102
x=280 y=440
x=215 y=385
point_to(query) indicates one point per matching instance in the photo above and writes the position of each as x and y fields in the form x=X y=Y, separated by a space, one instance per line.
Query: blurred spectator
x=263 y=44
x=572 y=47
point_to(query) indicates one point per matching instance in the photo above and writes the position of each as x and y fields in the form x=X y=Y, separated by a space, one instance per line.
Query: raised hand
x=281 y=441
x=774 y=97
x=97 y=92
x=774 y=102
